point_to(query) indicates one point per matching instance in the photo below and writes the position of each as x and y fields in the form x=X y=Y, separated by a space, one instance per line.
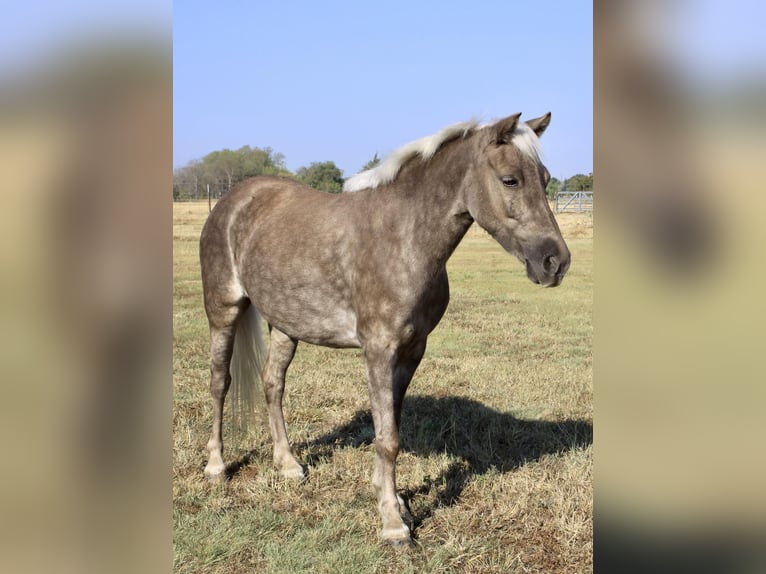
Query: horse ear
x=538 y=125
x=503 y=130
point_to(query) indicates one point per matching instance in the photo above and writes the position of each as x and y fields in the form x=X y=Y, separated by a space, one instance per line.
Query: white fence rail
x=573 y=201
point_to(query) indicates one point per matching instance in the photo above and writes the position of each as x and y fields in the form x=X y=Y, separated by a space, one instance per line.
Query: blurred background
x=680 y=111
x=86 y=153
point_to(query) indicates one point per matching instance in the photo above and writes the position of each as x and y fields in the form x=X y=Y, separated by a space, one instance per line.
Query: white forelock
x=524 y=138
x=527 y=141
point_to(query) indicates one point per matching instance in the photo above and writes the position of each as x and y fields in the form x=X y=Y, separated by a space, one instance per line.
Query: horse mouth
x=530 y=272
x=540 y=277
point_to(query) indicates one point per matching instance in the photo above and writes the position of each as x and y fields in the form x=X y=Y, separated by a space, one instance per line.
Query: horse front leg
x=389 y=372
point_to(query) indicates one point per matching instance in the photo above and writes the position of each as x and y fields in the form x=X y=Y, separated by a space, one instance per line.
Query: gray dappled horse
x=366 y=269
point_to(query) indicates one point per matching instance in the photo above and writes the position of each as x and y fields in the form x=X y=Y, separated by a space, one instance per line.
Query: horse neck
x=426 y=202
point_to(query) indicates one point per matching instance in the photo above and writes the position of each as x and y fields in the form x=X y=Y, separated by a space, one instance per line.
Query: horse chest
x=411 y=308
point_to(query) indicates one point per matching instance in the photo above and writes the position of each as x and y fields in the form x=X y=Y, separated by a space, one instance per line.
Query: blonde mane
x=386 y=171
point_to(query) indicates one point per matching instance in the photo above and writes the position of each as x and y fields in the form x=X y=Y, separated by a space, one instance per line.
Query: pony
x=366 y=269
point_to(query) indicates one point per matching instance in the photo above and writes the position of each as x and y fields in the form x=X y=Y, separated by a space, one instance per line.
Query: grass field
x=496 y=434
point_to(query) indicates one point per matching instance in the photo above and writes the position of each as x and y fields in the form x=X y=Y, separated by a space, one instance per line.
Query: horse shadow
x=480 y=438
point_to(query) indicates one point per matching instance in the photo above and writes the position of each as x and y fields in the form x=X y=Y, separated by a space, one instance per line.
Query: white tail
x=247 y=363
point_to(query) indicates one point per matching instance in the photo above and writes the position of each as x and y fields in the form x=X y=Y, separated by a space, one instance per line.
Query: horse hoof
x=293 y=473
x=400 y=543
x=398 y=538
x=215 y=473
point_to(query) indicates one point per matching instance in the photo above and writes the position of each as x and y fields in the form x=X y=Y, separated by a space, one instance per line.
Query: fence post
x=209 y=208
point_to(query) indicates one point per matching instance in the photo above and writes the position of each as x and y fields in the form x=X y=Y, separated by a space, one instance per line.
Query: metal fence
x=573 y=201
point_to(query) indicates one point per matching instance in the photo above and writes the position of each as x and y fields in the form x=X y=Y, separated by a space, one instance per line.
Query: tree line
x=578 y=182
x=223 y=169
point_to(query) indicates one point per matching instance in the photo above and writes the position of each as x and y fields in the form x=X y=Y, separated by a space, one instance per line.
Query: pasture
x=496 y=460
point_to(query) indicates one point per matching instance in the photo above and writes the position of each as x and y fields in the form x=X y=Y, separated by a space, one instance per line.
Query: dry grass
x=497 y=456
x=576 y=225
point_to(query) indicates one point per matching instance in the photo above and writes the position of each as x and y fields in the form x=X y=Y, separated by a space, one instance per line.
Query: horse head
x=507 y=197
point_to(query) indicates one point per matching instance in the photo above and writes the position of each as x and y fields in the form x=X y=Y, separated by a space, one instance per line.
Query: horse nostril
x=551 y=265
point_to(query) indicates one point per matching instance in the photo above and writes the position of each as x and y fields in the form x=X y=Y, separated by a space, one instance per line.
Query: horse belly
x=326 y=327
x=316 y=316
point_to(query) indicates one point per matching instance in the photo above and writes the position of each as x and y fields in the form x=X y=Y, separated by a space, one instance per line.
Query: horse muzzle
x=547 y=262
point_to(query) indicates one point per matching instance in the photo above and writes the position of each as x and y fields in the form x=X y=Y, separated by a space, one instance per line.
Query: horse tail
x=247 y=360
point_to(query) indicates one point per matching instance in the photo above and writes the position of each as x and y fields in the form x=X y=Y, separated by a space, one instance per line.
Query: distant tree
x=372 y=163
x=223 y=169
x=324 y=176
x=553 y=187
x=189 y=180
x=579 y=182
x=261 y=162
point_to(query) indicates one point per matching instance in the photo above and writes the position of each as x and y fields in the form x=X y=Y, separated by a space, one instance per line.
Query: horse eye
x=509 y=181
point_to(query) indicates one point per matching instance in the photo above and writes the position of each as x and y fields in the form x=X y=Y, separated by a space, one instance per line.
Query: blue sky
x=341 y=81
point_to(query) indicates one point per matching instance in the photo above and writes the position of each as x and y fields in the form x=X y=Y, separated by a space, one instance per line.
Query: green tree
x=324 y=176
x=189 y=181
x=372 y=163
x=579 y=182
x=261 y=162
x=554 y=185
x=223 y=169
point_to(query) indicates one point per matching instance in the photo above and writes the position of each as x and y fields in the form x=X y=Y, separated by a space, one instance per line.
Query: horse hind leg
x=281 y=353
x=222 y=331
